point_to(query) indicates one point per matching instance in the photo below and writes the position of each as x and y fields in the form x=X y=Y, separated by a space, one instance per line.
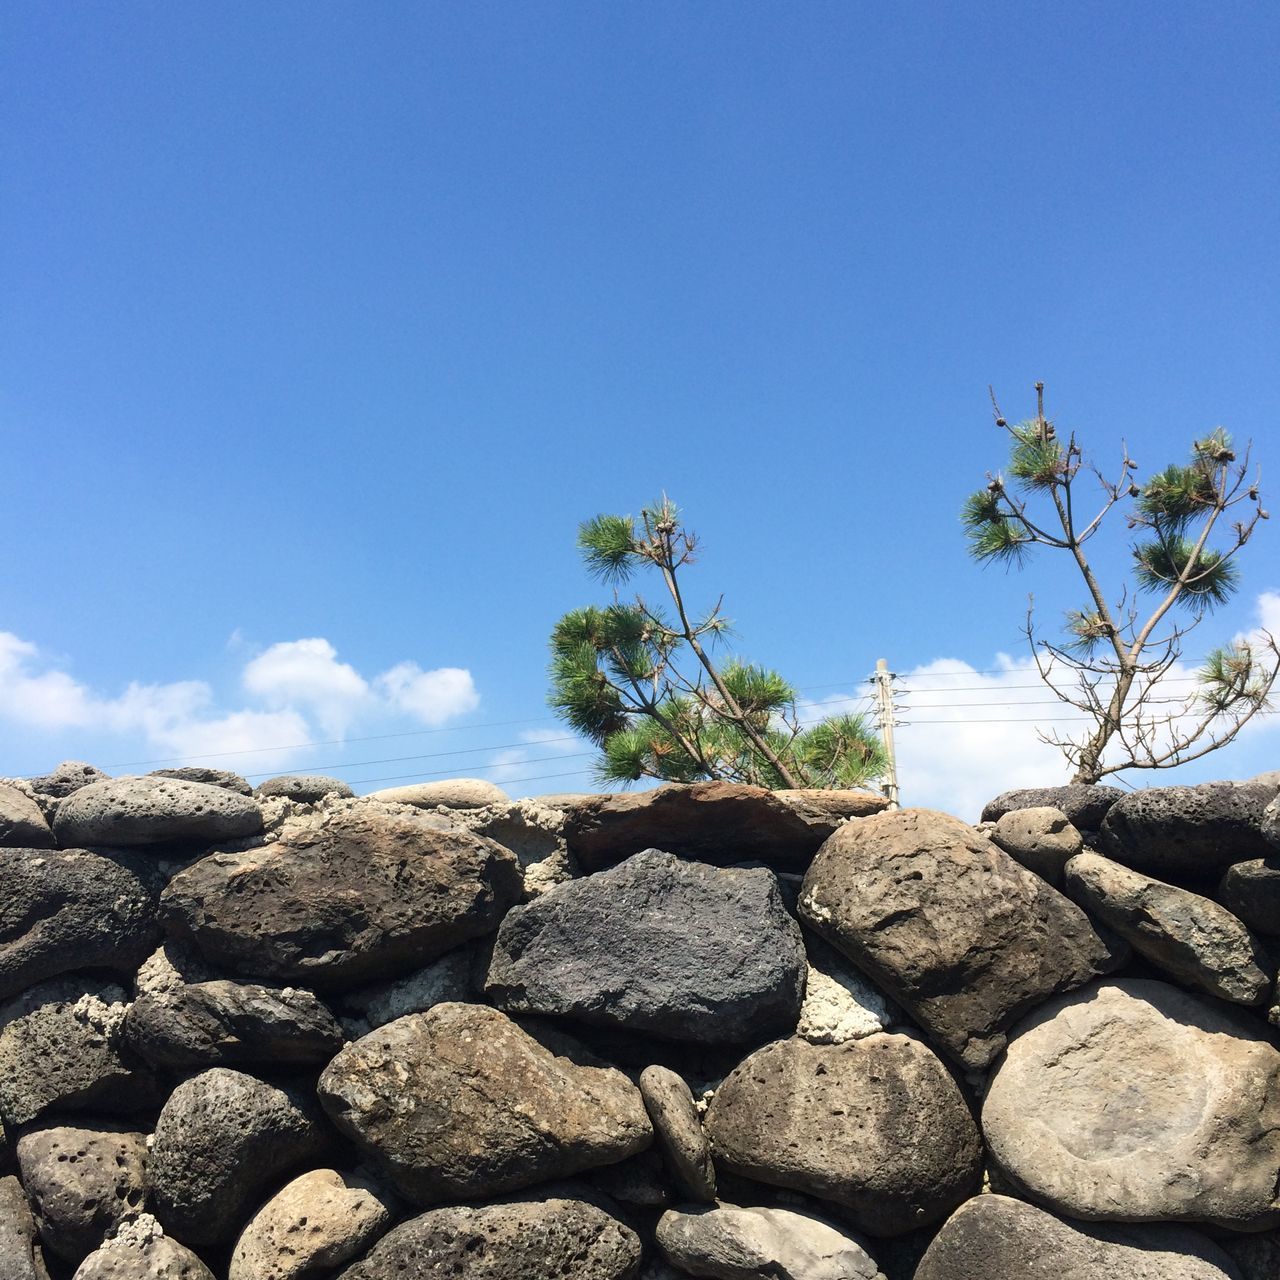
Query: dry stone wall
x=292 y=1034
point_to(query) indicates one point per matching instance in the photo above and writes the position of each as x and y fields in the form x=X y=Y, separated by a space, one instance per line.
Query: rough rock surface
x=82 y=1183
x=452 y=977
x=746 y=1244
x=1251 y=891
x=460 y=1102
x=213 y=777
x=997 y=1238
x=146 y=811
x=306 y=788
x=1041 y=839
x=1133 y=1100
x=1083 y=806
x=1187 y=832
x=1192 y=938
x=875 y=1125
x=19 y=1254
x=839 y=1003
x=950 y=926
x=60 y=1046
x=216 y=1023
x=677 y=949
x=1257 y=1256
x=22 y=825
x=1269 y=824
x=685 y=1148
x=518 y=1240
x=71 y=909
x=69 y=776
x=311 y=1225
x=454 y=793
x=140 y=1250
x=716 y=822
x=222 y=1138
x=361 y=896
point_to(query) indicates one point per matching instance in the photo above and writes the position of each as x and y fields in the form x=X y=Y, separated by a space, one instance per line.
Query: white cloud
x=431 y=697
x=307 y=674
x=513 y=764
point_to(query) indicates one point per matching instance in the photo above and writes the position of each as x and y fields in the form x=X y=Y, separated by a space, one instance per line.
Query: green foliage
x=642 y=686
x=1206 y=579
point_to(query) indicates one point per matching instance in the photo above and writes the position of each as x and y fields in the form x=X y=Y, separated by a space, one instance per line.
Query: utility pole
x=883 y=681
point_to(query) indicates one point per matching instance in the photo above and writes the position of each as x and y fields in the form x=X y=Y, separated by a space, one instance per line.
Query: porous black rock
x=223 y=778
x=150 y=811
x=1085 y=806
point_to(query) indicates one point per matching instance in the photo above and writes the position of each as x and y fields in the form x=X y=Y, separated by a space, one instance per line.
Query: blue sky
x=322 y=326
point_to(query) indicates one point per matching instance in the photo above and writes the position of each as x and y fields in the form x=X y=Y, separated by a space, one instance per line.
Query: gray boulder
x=1135 y=1101
x=82 y=1183
x=877 y=1126
x=950 y=926
x=147 y=811
x=218 y=1023
x=685 y=1148
x=213 y=777
x=140 y=1250
x=1191 y=938
x=460 y=1102
x=306 y=788
x=677 y=949
x=518 y=1240
x=361 y=896
x=1251 y=891
x=1190 y=833
x=71 y=909
x=746 y=1244
x=452 y=793
x=20 y=1257
x=997 y=1238
x=311 y=1225
x=1270 y=823
x=1041 y=839
x=60 y=1046
x=1084 y=806
x=222 y=1139
x=22 y=825
x=69 y=776
x=1257 y=1256
x=716 y=822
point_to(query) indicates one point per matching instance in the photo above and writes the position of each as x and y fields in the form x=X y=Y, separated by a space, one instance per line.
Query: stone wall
x=707 y=1031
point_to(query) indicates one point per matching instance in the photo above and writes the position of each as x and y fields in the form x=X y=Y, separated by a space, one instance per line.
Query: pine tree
x=640 y=682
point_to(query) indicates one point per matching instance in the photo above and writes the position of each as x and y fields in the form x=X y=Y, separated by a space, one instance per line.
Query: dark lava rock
x=716 y=822
x=1251 y=890
x=516 y=1240
x=359 y=897
x=677 y=949
x=218 y=1023
x=69 y=776
x=996 y=1238
x=950 y=926
x=223 y=778
x=60 y=1046
x=877 y=1126
x=72 y=909
x=145 y=811
x=306 y=788
x=22 y=825
x=1257 y=1256
x=460 y=1102
x=1190 y=937
x=82 y=1183
x=1085 y=806
x=222 y=1139
x=20 y=1257
x=1192 y=833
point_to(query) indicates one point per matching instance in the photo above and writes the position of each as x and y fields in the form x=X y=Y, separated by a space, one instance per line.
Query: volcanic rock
x=361 y=896
x=677 y=949
x=685 y=1148
x=1251 y=891
x=222 y=1138
x=71 y=909
x=69 y=776
x=305 y=788
x=453 y=793
x=875 y=1125
x=19 y=1254
x=223 y=778
x=150 y=810
x=22 y=825
x=950 y=926
x=1083 y=806
x=1135 y=1101
x=1041 y=839
x=140 y=1250
x=460 y=1102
